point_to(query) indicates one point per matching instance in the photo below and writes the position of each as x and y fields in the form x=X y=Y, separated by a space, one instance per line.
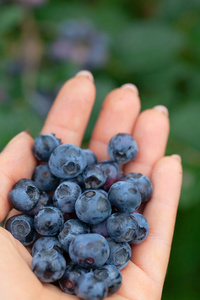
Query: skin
x=144 y=276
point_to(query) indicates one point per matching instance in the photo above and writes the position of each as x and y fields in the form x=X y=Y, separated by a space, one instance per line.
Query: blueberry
x=22 y=228
x=67 y=161
x=112 y=277
x=122 y=148
x=93 y=207
x=88 y=287
x=120 y=254
x=44 y=145
x=66 y=195
x=71 y=229
x=89 y=250
x=90 y=156
x=112 y=171
x=48 y=265
x=70 y=277
x=143 y=184
x=124 y=196
x=122 y=227
x=143 y=229
x=44 y=200
x=44 y=179
x=24 y=195
x=49 y=221
x=93 y=177
x=100 y=229
x=46 y=243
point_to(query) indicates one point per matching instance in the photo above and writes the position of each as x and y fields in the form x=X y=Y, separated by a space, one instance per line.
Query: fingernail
x=177 y=156
x=85 y=73
x=28 y=132
x=161 y=108
x=130 y=86
x=20 y=135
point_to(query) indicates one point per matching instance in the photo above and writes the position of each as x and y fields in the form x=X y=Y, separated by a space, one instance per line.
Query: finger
x=133 y=274
x=52 y=292
x=7 y=237
x=16 y=162
x=118 y=114
x=15 y=258
x=71 y=110
x=153 y=254
x=151 y=133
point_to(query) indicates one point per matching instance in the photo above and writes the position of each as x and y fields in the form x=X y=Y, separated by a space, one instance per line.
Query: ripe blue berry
x=120 y=254
x=48 y=265
x=93 y=177
x=49 y=221
x=24 y=195
x=90 y=156
x=88 y=287
x=44 y=179
x=112 y=277
x=70 y=277
x=44 y=145
x=70 y=230
x=122 y=148
x=66 y=195
x=143 y=184
x=89 y=250
x=93 y=207
x=22 y=228
x=143 y=230
x=124 y=196
x=122 y=227
x=67 y=161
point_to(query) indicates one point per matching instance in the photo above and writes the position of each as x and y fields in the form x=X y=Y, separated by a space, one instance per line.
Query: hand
x=144 y=276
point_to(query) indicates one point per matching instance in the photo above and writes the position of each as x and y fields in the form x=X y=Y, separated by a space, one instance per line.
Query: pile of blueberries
x=80 y=216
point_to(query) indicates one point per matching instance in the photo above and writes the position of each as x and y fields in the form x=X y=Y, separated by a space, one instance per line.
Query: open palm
x=144 y=276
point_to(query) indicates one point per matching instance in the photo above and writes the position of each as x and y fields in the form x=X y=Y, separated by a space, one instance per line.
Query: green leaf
x=185 y=125
x=173 y=9
x=16 y=120
x=190 y=188
x=10 y=16
x=147 y=46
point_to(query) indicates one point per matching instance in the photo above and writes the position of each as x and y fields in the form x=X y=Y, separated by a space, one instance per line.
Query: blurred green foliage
x=154 y=44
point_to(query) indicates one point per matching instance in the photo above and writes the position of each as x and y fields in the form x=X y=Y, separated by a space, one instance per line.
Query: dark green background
x=155 y=45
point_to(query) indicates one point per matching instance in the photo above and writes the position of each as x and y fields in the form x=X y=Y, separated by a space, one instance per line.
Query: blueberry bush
x=154 y=44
